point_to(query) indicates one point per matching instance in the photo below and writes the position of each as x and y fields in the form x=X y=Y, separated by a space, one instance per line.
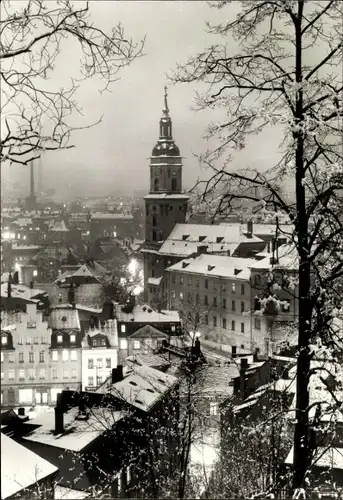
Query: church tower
x=165 y=205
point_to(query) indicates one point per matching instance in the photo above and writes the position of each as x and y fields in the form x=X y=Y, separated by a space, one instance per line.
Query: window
x=54 y=373
x=173 y=278
x=103 y=342
x=136 y=344
x=189 y=297
x=41 y=357
x=257 y=279
x=257 y=324
x=123 y=344
x=233 y=288
x=35 y=340
x=2 y=375
x=206 y=283
x=54 y=355
x=59 y=339
x=224 y=303
x=214 y=285
x=90 y=381
x=65 y=355
x=99 y=363
x=42 y=373
x=25 y=396
x=181 y=280
x=173 y=294
x=73 y=355
x=214 y=320
x=233 y=325
x=90 y=363
x=21 y=374
x=73 y=373
x=108 y=362
x=197 y=283
x=123 y=328
x=98 y=380
x=206 y=300
x=214 y=301
x=181 y=296
x=65 y=373
x=242 y=290
x=233 y=305
x=72 y=339
x=21 y=357
x=242 y=327
x=20 y=340
x=242 y=307
x=206 y=319
x=11 y=375
x=213 y=408
x=31 y=374
x=4 y=339
x=242 y=346
x=28 y=340
x=224 y=286
x=10 y=357
x=35 y=272
x=31 y=357
x=224 y=322
x=189 y=280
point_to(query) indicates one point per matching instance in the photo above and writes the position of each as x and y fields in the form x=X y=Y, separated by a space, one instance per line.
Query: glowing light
x=17 y=266
x=35 y=272
x=114 y=234
x=7 y=235
x=123 y=281
x=137 y=290
x=132 y=267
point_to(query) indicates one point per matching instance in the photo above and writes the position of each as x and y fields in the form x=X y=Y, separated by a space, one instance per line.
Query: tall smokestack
x=32 y=180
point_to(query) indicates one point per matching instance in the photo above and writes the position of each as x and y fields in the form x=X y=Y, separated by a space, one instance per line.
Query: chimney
x=32 y=180
x=242 y=382
x=108 y=310
x=71 y=296
x=59 y=424
x=21 y=412
x=250 y=228
x=201 y=249
x=9 y=287
x=117 y=374
x=16 y=278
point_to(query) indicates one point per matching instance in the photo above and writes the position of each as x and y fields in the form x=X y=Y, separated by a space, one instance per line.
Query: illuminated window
x=42 y=373
x=65 y=356
x=136 y=344
x=123 y=328
x=233 y=287
x=21 y=374
x=54 y=355
x=4 y=339
x=59 y=339
x=11 y=375
x=72 y=339
x=65 y=373
x=123 y=344
x=213 y=408
x=35 y=272
x=73 y=355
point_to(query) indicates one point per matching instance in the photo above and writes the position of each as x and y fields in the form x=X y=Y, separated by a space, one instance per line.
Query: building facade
x=165 y=205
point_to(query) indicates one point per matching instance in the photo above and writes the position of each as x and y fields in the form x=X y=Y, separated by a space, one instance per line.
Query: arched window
x=154 y=208
x=173 y=184
x=154 y=236
x=154 y=220
x=156 y=184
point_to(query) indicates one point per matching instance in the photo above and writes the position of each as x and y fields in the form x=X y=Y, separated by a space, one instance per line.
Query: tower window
x=154 y=208
x=173 y=184
x=170 y=208
x=154 y=236
x=156 y=185
x=154 y=220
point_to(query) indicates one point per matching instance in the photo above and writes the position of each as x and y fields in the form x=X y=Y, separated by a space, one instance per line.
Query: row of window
x=27 y=340
x=42 y=356
x=40 y=374
x=224 y=285
x=206 y=302
x=257 y=323
x=99 y=363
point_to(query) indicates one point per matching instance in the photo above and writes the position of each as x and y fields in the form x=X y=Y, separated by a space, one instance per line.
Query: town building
x=99 y=354
x=165 y=205
x=15 y=297
x=111 y=225
x=121 y=440
x=25 y=358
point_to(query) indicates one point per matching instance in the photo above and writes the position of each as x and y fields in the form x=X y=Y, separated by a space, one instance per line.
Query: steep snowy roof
x=215 y=265
x=143 y=313
x=20 y=467
x=287 y=259
x=61 y=319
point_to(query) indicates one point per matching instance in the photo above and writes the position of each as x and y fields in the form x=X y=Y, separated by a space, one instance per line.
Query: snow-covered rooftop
x=143 y=387
x=143 y=313
x=111 y=216
x=215 y=265
x=78 y=433
x=20 y=467
x=21 y=291
x=287 y=258
x=165 y=196
x=62 y=493
x=64 y=319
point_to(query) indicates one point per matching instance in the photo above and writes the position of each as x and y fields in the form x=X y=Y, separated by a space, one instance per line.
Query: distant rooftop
x=64 y=319
x=144 y=313
x=109 y=216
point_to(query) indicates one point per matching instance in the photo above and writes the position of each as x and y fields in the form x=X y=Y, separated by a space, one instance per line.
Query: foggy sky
x=114 y=156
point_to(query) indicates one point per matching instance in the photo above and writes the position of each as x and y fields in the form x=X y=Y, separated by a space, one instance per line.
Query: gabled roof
x=64 y=319
x=58 y=227
x=149 y=331
x=20 y=467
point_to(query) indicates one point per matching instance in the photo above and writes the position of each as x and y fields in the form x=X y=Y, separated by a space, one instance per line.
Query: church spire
x=165 y=109
x=165 y=122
